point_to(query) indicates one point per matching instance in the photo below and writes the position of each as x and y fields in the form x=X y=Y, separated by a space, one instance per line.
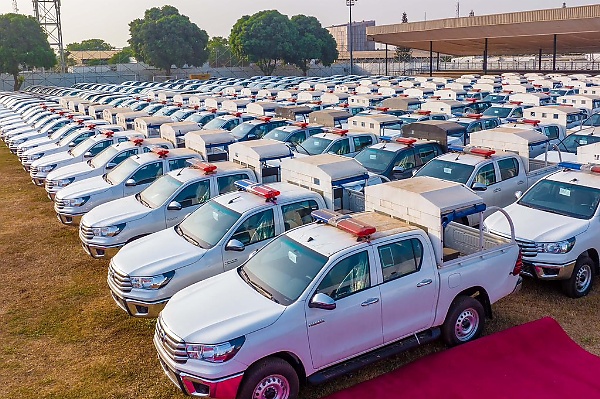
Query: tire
x=271 y=378
x=465 y=321
x=581 y=279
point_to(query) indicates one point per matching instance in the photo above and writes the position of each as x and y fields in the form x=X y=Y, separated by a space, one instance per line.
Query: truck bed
x=538 y=167
x=461 y=241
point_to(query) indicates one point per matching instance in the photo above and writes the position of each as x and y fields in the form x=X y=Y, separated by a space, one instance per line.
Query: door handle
x=425 y=282
x=370 y=301
x=497 y=190
x=520 y=182
x=231 y=261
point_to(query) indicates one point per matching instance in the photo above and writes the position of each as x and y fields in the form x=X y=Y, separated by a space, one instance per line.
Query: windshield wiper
x=138 y=197
x=179 y=231
x=105 y=177
x=257 y=287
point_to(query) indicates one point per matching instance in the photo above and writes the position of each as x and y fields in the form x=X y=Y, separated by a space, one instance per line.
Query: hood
x=535 y=225
x=75 y=170
x=21 y=129
x=197 y=316
x=26 y=136
x=91 y=186
x=51 y=159
x=553 y=156
x=114 y=212
x=157 y=253
x=41 y=148
x=35 y=142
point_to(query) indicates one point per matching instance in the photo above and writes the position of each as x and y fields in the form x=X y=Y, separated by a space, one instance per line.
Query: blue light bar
x=385 y=138
x=327 y=216
x=512 y=120
x=455 y=148
x=244 y=185
x=459 y=214
x=570 y=165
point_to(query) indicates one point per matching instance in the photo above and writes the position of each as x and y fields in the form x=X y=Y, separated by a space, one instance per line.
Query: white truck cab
x=336 y=141
x=505 y=111
x=325 y=299
x=130 y=177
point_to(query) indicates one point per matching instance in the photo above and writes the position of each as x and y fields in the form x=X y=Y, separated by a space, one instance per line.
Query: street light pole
x=350 y=3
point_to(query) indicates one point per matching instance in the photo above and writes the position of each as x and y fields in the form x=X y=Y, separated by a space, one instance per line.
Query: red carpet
x=534 y=360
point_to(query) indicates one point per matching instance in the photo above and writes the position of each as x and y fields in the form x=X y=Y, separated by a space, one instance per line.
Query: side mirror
x=130 y=183
x=234 y=245
x=88 y=155
x=110 y=165
x=322 y=301
x=174 y=206
x=398 y=169
x=251 y=136
x=478 y=187
x=518 y=194
x=71 y=145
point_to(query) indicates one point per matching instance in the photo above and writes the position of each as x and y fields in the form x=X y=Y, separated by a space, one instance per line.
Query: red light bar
x=423 y=112
x=161 y=152
x=354 y=227
x=163 y=102
x=507 y=91
x=264 y=191
x=516 y=102
x=317 y=102
x=471 y=100
x=338 y=131
x=531 y=122
x=265 y=118
x=595 y=169
x=109 y=133
x=236 y=114
x=196 y=106
x=203 y=166
x=382 y=109
x=137 y=140
x=179 y=104
x=344 y=105
x=213 y=110
x=435 y=97
x=300 y=124
x=292 y=100
x=476 y=90
x=570 y=87
x=406 y=141
x=484 y=152
x=475 y=116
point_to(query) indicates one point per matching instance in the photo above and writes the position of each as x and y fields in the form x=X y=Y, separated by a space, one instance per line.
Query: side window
x=96 y=148
x=490 y=123
x=551 y=132
x=486 y=175
x=298 y=213
x=400 y=258
x=314 y=131
x=123 y=156
x=427 y=153
x=509 y=168
x=476 y=127
x=178 y=163
x=406 y=160
x=256 y=228
x=194 y=194
x=225 y=183
x=361 y=142
x=348 y=276
x=148 y=173
x=341 y=147
x=297 y=137
x=518 y=113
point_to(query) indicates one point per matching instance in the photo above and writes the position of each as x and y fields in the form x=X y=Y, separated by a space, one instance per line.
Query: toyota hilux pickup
x=129 y=178
x=221 y=234
x=106 y=160
x=327 y=298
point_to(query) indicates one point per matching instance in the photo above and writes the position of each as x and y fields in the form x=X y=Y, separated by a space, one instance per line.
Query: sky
x=109 y=19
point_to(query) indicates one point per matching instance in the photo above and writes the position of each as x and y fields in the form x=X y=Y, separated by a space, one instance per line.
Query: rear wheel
x=581 y=279
x=271 y=378
x=465 y=321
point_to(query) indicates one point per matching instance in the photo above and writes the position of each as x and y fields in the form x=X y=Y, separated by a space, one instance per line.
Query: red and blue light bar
x=343 y=222
x=269 y=193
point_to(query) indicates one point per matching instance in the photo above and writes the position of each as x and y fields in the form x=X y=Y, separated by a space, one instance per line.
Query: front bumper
x=100 y=251
x=136 y=308
x=69 y=218
x=547 y=271
x=38 y=181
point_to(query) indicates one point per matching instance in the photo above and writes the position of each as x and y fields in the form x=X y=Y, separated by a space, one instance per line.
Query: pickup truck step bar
x=361 y=361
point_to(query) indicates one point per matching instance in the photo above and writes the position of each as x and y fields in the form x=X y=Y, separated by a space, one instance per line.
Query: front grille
x=60 y=204
x=119 y=279
x=528 y=248
x=173 y=345
x=86 y=231
x=33 y=170
x=49 y=184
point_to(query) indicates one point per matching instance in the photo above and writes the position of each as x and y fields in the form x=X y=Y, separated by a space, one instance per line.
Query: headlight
x=76 y=201
x=35 y=156
x=560 y=247
x=152 y=283
x=63 y=182
x=47 y=168
x=108 y=231
x=17 y=142
x=215 y=353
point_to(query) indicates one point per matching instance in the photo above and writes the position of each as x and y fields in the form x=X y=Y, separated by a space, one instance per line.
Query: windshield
x=562 y=198
x=500 y=112
x=216 y=123
x=104 y=157
x=282 y=270
x=82 y=147
x=374 y=159
x=279 y=134
x=180 y=114
x=199 y=118
x=158 y=192
x=495 y=98
x=139 y=106
x=122 y=171
x=67 y=139
x=593 y=120
x=447 y=170
x=406 y=119
x=62 y=131
x=571 y=142
x=560 y=92
x=240 y=131
x=207 y=225
x=313 y=145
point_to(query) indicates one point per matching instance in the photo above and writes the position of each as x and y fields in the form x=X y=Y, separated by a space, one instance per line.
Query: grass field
x=62 y=336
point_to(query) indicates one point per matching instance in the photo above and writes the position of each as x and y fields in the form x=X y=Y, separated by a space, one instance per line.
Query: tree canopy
x=122 y=57
x=164 y=38
x=23 y=44
x=264 y=38
x=90 y=45
x=314 y=43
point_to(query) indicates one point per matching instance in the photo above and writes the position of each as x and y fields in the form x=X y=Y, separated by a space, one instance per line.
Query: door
x=354 y=326
x=143 y=177
x=190 y=197
x=409 y=289
x=254 y=231
x=512 y=179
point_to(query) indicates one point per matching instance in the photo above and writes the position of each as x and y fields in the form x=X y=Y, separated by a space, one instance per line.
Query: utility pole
x=351 y=3
x=47 y=13
x=458 y=9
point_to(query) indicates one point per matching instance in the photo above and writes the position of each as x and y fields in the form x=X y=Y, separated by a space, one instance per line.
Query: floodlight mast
x=47 y=13
x=351 y=3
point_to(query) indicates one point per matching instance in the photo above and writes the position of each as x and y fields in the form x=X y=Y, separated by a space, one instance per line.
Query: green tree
x=314 y=43
x=264 y=38
x=90 y=45
x=220 y=53
x=23 y=44
x=122 y=57
x=164 y=38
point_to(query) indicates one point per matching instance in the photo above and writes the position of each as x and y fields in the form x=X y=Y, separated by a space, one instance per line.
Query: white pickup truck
x=221 y=234
x=556 y=225
x=129 y=178
x=101 y=163
x=325 y=299
x=496 y=166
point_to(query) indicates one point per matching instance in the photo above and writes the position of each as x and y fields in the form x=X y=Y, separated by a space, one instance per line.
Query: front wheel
x=465 y=321
x=271 y=378
x=581 y=279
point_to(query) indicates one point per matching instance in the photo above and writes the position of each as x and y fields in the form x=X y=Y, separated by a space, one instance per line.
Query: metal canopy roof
x=577 y=30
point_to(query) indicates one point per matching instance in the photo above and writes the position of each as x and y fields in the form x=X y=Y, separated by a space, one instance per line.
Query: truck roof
x=327 y=240
x=576 y=178
x=223 y=168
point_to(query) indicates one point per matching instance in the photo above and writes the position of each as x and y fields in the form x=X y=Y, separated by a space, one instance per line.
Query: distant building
x=89 y=57
x=341 y=34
